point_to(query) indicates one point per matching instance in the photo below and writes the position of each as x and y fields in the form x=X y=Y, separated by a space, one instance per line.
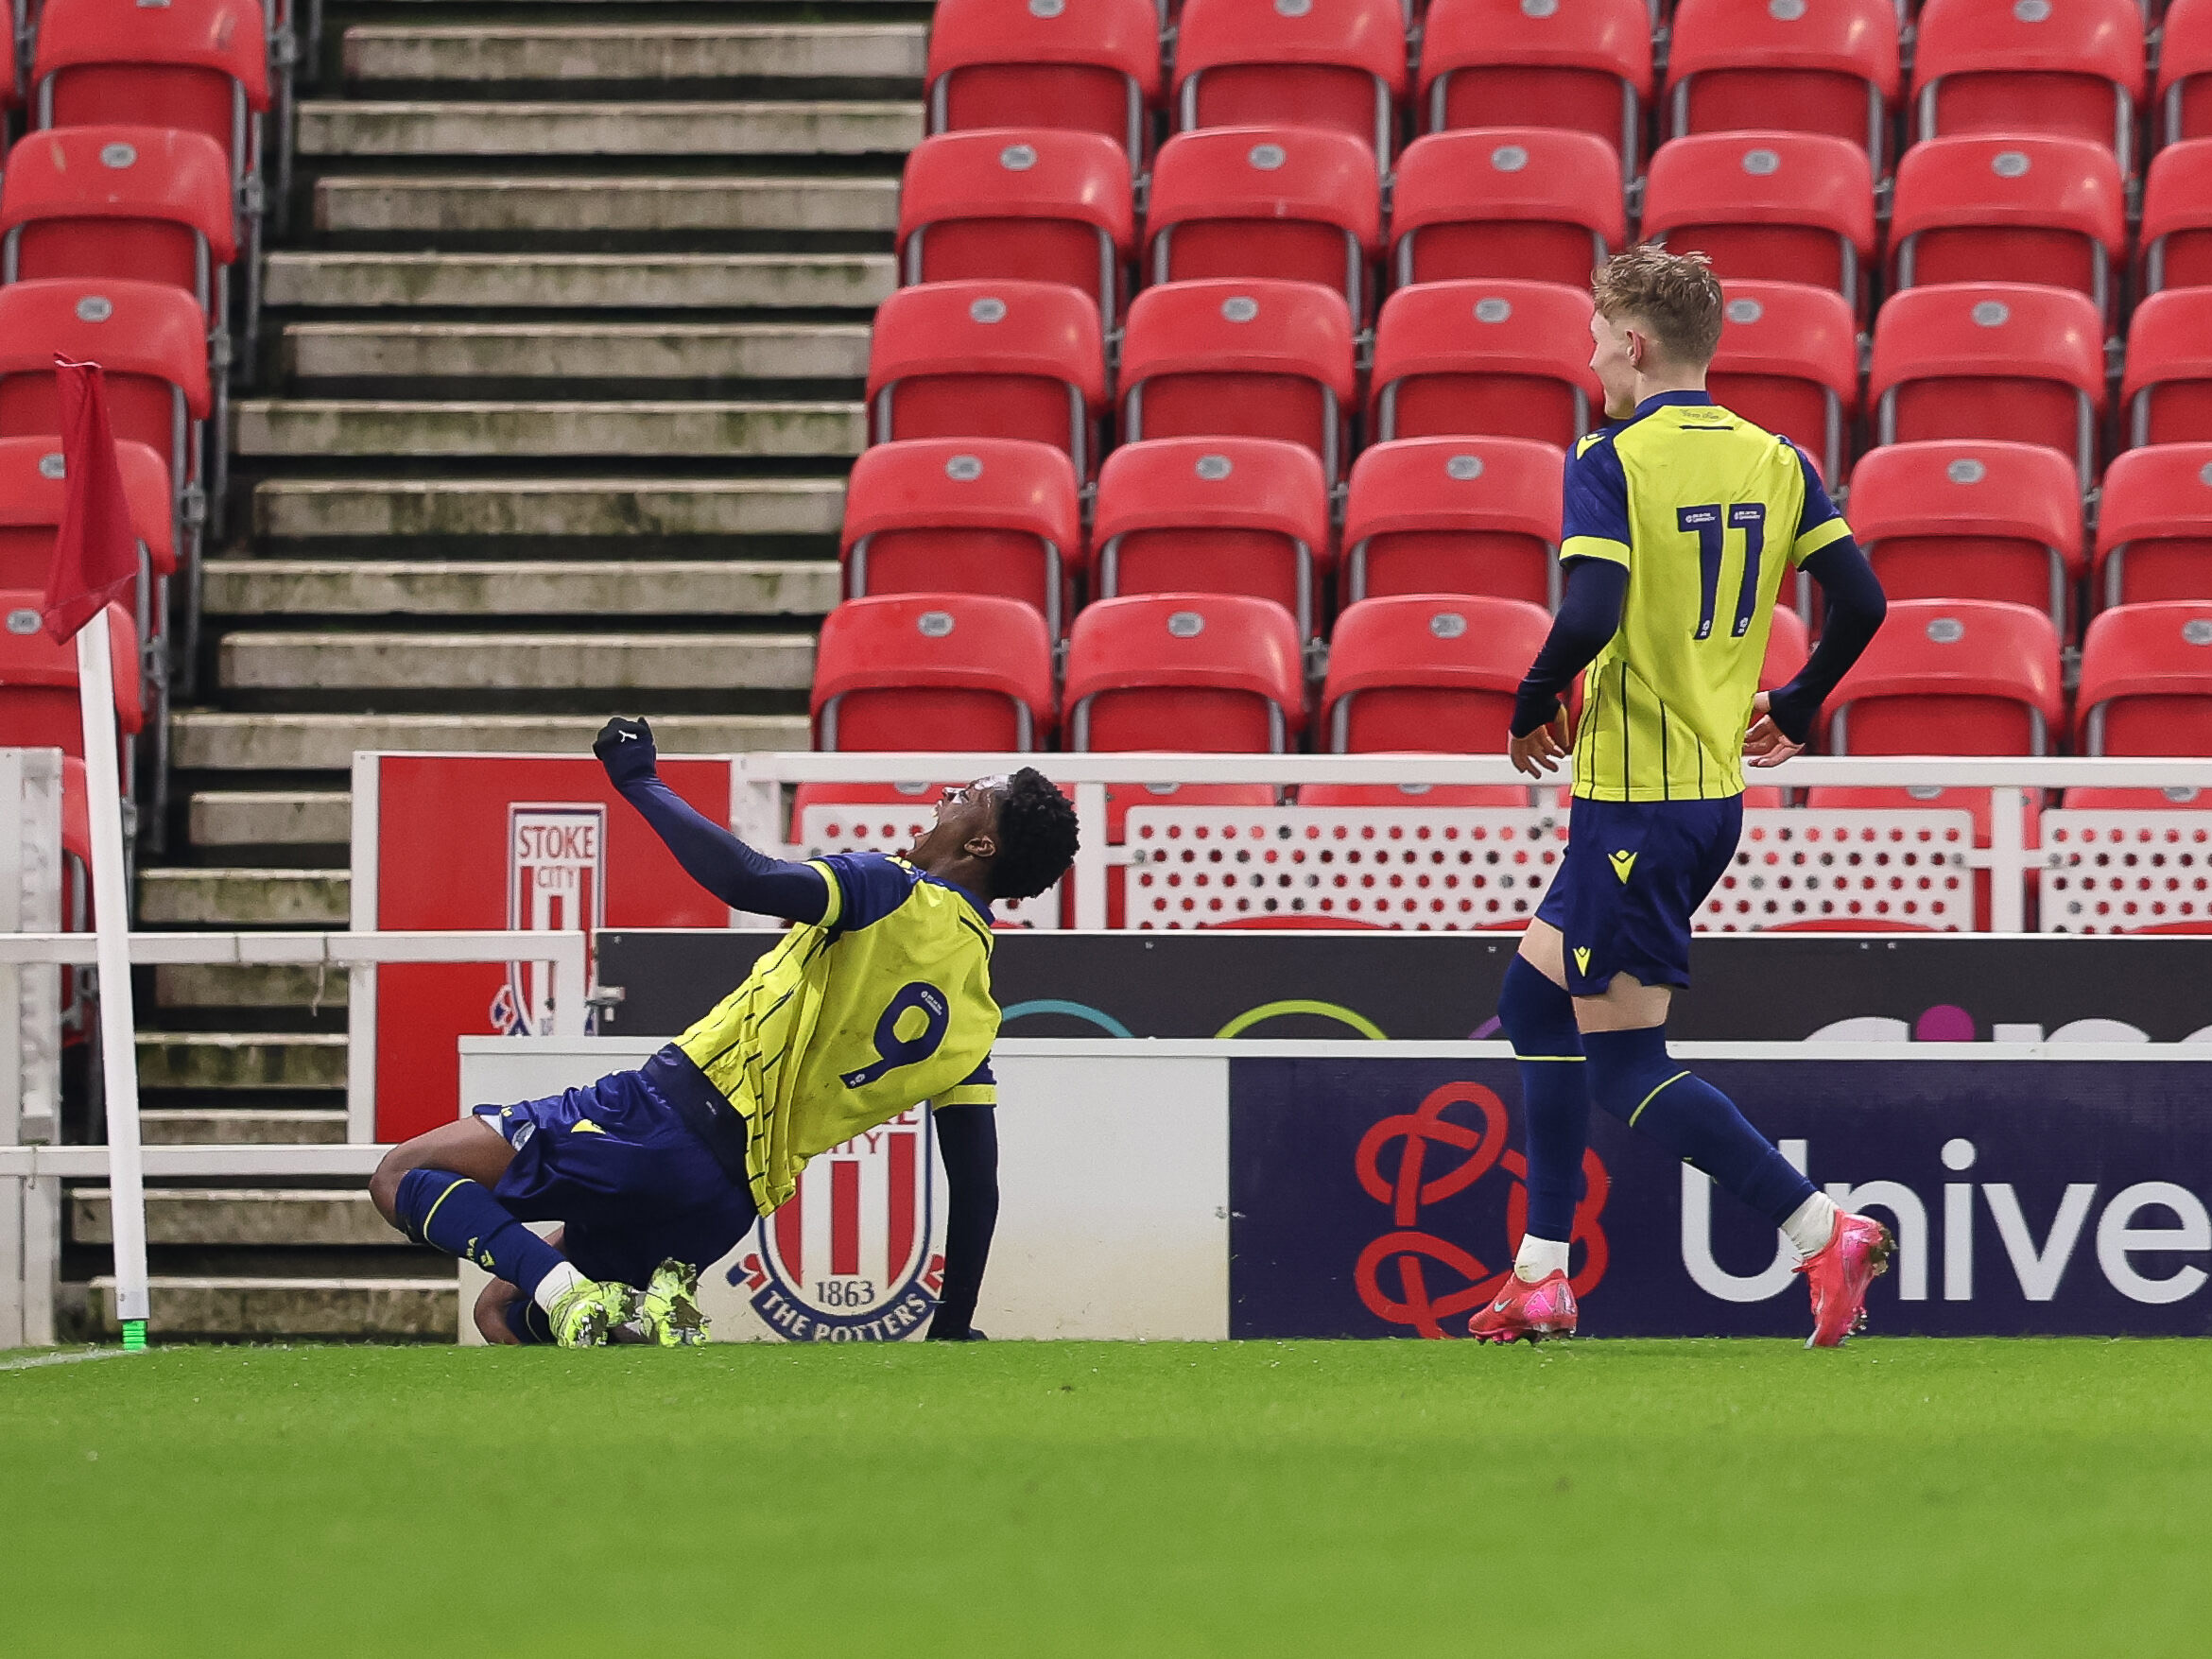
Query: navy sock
x=1539 y=1021
x=452 y=1213
x=1632 y=1078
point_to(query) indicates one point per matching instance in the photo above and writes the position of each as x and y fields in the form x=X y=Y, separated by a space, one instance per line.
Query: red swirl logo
x=1394 y=1272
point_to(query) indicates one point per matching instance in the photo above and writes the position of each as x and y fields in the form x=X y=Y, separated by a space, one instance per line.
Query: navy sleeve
x=1589 y=615
x=1594 y=505
x=1820 y=524
x=1855 y=607
x=725 y=866
x=869 y=886
x=967 y=1139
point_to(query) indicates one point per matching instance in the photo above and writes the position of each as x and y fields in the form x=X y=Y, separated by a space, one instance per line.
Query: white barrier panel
x=31 y=1009
x=1164 y=1189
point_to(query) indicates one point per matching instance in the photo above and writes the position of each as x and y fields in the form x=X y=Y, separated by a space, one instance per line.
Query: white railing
x=756 y=802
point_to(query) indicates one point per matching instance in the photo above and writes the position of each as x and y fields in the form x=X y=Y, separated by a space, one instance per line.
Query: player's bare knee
x=384 y=1183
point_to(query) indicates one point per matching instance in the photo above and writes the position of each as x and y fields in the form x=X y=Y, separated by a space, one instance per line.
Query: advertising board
x=1267 y=1189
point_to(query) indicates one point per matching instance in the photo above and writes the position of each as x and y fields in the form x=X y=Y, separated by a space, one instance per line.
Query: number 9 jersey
x=1707 y=511
x=883 y=1004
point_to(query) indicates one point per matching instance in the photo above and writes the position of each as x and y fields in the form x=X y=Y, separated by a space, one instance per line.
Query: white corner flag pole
x=118 y=1024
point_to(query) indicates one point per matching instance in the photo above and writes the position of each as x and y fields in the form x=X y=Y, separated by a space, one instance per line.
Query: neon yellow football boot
x=583 y=1315
x=667 y=1308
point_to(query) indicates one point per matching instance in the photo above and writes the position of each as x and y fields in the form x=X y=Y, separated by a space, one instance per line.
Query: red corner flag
x=96 y=550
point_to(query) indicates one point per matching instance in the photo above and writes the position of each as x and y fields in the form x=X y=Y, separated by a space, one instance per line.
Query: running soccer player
x=877 y=1000
x=1680 y=522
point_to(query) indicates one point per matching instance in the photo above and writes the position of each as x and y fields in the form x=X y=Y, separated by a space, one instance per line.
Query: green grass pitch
x=1371 y=1499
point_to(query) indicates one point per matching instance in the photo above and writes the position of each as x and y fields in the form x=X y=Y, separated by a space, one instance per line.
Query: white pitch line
x=62 y=1358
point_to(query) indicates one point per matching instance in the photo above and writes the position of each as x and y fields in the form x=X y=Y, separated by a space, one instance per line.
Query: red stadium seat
x=2166 y=387
x=928 y=671
x=1241 y=358
x=2017 y=209
x=2183 y=797
x=1991 y=360
x=1336 y=64
x=201 y=67
x=989 y=359
x=1216 y=515
x=1037 y=206
x=1454 y=515
x=1789 y=643
x=1428 y=672
x=2175 y=237
x=31 y=486
x=2154 y=525
x=2071 y=68
x=2146 y=680
x=964 y=515
x=1584 y=66
x=1081 y=65
x=1953 y=676
x=1216 y=673
x=1498 y=357
x=2184 y=90
x=142 y=203
x=1789 y=361
x=1290 y=202
x=1964 y=520
x=1790 y=207
x=1535 y=203
x=38 y=681
x=1825 y=66
x=150 y=338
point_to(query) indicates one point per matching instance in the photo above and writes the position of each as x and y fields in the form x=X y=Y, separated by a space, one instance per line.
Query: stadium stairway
x=565 y=352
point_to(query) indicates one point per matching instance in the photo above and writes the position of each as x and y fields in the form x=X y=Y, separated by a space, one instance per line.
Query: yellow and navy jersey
x=1707 y=511
x=884 y=1003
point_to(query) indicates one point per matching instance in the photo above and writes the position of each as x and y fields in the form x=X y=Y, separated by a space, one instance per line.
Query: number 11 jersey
x=883 y=1004
x=1708 y=513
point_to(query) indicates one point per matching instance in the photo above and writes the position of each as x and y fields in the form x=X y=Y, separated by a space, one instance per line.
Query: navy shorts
x=616 y=1163
x=1635 y=873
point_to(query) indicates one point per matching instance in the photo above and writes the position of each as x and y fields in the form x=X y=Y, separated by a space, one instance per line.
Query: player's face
x=962 y=815
x=1612 y=359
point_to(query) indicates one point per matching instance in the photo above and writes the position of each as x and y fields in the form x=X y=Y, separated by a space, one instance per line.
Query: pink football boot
x=1839 y=1273
x=1545 y=1309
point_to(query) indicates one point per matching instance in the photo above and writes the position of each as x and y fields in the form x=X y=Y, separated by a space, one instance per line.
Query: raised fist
x=625 y=748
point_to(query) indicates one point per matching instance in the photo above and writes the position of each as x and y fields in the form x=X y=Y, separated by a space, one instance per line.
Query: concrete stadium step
x=580 y=281
x=508 y=661
x=569 y=351
x=353 y=204
x=214 y=740
x=290 y=1061
x=323 y=428
x=218 y=897
x=278 y=818
x=652 y=53
x=721 y=129
x=232 y=1125
x=313 y=509
x=423 y=1309
x=213 y=985
x=237 y=1215
x=476 y=589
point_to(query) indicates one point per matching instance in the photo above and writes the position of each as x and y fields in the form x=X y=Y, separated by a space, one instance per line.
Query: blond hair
x=1675 y=297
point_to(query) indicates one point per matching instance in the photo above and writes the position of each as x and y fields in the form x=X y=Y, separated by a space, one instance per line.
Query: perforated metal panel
x=890 y=827
x=1440 y=869
x=1798 y=866
x=2117 y=872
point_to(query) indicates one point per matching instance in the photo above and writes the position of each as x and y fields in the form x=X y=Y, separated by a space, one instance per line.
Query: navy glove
x=625 y=748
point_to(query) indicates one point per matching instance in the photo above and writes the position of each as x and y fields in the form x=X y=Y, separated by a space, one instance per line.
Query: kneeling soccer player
x=1680 y=519
x=878 y=1000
